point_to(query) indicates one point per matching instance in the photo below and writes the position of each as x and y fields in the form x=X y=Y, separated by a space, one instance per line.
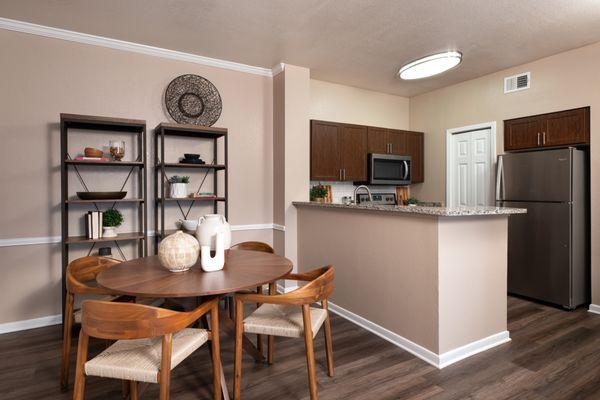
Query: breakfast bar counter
x=431 y=280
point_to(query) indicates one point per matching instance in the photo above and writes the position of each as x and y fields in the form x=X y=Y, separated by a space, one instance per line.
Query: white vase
x=178 y=252
x=209 y=226
x=178 y=190
x=216 y=263
x=109 y=231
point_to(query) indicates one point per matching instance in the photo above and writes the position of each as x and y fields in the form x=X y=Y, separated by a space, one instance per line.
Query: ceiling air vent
x=517 y=82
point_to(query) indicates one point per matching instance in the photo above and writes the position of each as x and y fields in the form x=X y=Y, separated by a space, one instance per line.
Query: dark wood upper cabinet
x=415 y=149
x=354 y=153
x=566 y=127
x=571 y=127
x=339 y=152
x=398 y=142
x=325 y=151
x=378 y=142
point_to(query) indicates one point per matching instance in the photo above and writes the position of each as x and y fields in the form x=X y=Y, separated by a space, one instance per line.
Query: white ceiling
x=354 y=42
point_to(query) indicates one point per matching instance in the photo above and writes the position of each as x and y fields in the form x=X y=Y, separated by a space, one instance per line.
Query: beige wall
x=339 y=103
x=42 y=77
x=564 y=81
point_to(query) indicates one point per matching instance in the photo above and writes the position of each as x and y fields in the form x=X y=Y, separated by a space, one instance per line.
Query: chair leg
x=82 y=349
x=328 y=343
x=133 y=390
x=216 y=352
x=310 y=353
x=67 y=333
x=165 y=366
x=125 y=387
x=259 y=342
x=239 y=331
x=271 y=338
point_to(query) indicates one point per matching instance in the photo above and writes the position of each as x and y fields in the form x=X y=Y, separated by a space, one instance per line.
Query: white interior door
x=471 y=166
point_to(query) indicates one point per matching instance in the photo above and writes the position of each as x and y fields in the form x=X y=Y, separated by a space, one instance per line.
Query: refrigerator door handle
x=500 y=180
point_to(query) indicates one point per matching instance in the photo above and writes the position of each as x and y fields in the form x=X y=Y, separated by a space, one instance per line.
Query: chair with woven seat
x=265 y=248
x=80 y=277
x=150 y=342
x=289 y=315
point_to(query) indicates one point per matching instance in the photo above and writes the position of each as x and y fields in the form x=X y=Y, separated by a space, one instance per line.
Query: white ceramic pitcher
x=209 y=226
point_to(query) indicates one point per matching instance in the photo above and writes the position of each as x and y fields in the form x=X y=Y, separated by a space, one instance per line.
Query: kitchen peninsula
x=432 y=280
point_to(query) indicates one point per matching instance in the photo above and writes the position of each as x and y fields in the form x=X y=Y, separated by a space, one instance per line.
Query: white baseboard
x=438 y=361
x=478 y=346
x=594 y=309
x=30 y=323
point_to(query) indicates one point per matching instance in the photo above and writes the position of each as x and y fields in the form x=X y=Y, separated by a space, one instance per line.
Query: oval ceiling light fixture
x=430 y=65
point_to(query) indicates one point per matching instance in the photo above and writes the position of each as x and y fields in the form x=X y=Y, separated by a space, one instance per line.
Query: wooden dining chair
x=80 y=280
x=150 y=342
x=289 y=315
x=265 y=248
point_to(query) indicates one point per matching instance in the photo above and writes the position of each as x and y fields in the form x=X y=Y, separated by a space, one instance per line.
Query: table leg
x=224 y=391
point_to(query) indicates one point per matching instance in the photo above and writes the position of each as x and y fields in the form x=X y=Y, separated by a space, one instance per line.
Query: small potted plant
x=111 y=220
x=318 y=193
x=178 y=186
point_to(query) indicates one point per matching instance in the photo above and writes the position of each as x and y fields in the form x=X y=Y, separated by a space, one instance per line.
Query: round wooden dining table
x=244 y=269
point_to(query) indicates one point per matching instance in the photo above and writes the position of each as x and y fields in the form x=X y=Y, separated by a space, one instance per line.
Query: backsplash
x=341 y=189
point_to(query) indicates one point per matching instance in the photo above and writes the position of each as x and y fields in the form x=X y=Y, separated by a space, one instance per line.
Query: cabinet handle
x=544 y=138
x=344 y=171
x=340 y=174
x=391 y=148
x=538 y=138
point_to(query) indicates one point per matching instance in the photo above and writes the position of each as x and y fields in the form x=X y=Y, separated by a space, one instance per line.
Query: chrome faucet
x=362 y=187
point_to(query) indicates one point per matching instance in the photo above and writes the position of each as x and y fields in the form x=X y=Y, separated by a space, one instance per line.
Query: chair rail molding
x=28 y=241
x=85 y=38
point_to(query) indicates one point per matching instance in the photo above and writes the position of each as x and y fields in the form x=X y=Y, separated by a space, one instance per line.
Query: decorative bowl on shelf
x=92 y=152
x=101 y=195
x=178 y=252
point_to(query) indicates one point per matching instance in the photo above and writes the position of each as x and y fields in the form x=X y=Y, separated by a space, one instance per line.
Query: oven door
x=388 y=169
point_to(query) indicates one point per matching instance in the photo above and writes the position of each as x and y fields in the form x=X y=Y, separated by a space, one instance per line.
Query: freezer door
x=536 y=176
x=539 y=252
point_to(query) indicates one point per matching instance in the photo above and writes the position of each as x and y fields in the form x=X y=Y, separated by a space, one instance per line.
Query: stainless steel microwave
x=389 y=169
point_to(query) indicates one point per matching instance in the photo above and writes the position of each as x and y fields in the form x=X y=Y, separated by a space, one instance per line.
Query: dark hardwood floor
x=553 y=354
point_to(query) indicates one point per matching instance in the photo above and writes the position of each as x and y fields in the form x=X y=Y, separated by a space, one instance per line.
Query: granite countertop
x=434 y=211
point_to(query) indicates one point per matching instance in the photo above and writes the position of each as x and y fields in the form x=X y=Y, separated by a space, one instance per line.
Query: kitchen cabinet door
x=377 y=140
x=325 y=150
x=566 y=127
x=398 y=142
x=522 y=133
x=415 y=149
x=353 y=155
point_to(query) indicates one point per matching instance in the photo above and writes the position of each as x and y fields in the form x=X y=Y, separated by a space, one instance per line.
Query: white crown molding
x=28 y=241
x=277 y=69
x=78 y=37
x=30 y=323
x=439 y=361
x=594 y=309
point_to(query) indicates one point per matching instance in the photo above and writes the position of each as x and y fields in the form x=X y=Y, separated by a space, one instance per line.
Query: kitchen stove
x=382 y=199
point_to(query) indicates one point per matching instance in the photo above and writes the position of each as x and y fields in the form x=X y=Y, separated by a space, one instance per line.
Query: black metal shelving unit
x=162 y=169
x=136 y=168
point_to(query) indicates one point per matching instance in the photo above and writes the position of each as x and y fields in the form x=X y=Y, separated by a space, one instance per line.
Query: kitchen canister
x=209 y=226
x=178 y=252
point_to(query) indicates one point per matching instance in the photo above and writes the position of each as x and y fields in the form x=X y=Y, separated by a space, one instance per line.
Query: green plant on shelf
x=179 y=179
x=112 y=218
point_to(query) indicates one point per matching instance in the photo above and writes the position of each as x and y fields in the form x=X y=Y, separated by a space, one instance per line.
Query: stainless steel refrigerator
x=548 y=248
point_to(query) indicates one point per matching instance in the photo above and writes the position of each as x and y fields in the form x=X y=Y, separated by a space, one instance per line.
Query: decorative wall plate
x=192 y=99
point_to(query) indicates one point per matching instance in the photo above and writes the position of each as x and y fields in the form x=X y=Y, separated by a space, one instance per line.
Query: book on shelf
x=84 y=158
x=94 y=224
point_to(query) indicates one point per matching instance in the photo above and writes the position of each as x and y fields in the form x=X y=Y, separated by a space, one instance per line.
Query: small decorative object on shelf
x=178 y=252
x=217 y=262
x=318 y=193
x=105 y=252
x=101 y=195
x=111 y=220
x=191 y=159
x=93 y=224
x=192 y=99
x=209 y=226
x=188 y=224
x=178 y=186
x=117 y=149
x=90 y=152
